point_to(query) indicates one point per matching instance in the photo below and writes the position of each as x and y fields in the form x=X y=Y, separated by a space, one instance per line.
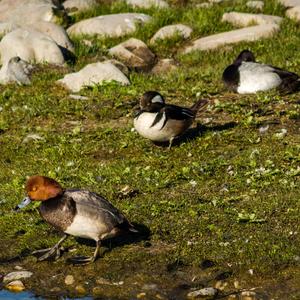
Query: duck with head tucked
x=246 y=76
x=75 y=212
x=161 y=122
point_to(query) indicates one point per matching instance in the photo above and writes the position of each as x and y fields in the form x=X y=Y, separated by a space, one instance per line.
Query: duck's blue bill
x=24 y=202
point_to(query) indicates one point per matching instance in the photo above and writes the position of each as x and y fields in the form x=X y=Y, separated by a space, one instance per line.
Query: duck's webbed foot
x=83 y=260
x=56 y=250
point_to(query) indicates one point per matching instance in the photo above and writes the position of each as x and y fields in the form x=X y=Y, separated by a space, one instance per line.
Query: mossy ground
x=226 y=192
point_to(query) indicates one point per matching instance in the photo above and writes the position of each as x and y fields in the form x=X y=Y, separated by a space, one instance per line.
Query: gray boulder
x=93 y=74
x=114 y=25
x=172 y=30
x=252 y=33
x=245 y=19
x=148 y=3
x=31 y=46
x=75 y=6
x=134 y=54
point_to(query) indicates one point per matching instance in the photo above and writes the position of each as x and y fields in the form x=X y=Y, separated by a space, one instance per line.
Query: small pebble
x=209 y=291
x=16 y=275
x=141 y=295
x=18 y=268
x=221 y=285
x=78 y=97
x=80 y=289
x=15 y=286
x=103 y=281
x=55 y=290
x=69 y=279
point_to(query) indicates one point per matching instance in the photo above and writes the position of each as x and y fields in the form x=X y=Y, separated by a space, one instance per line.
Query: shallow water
x=7 y=295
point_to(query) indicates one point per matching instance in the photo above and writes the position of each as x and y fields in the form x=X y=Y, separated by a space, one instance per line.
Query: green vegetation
x=227 y=192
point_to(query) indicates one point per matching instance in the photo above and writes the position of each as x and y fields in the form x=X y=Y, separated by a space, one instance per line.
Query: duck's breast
x=161 y=130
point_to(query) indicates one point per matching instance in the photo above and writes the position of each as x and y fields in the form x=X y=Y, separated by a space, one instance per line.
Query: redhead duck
x=161 y=122
x=75 y=212
x=245 y=76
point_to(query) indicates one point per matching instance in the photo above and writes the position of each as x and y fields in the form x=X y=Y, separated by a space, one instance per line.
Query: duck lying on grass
x=245 y=76
x=75 y=212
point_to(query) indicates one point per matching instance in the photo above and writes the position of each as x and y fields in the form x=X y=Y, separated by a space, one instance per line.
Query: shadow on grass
x=193 y=133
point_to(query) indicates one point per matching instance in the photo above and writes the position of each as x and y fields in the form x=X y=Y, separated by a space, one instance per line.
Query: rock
x=205 y=292
x=16 y=275
x=134 y=54
x=165 y=65
x=259 y=5
x=252 y=33
x=33 y=137
x=19 y=268
x=30 y=45
x=23 y=12
x=148 y=3
x=6 y=27
x=294 y=13
x=15 y=70
x=93 y=74
x=55 y=290
x=244 y=19
x=75 y=6
x=69 y=280
x=114 y=25
x=78 y=97
x=15 y=286
x=80 y=289
x=248 y=295
x=119 y=65
x=172 y=30
x=290 y=3
x=205 y=5
x=103 y=281
x=56 y=32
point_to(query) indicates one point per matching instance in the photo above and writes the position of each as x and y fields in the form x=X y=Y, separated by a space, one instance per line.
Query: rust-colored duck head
x=40 y=188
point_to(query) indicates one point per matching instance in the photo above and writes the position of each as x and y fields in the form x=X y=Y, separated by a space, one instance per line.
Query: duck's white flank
x=256 y=77
x=143 y=123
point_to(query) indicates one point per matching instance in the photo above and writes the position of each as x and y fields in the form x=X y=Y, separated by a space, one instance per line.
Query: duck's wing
x=96 y=207
x=290 y=81
x=177 y=112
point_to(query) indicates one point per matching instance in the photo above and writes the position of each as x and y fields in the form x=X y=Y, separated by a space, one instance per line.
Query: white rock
x=69 y=280
x=30 y=45
x=134 y=53
x=33 y=137
x=209 y=291
x=15 y=70
x=56 y=32
x=294 y=13
x=93 y=74
x=16 y=275
x=172 y=30
x=259 y=5
x=148 y=3
x=27 y=11
x=290 y=3
x=75 y=6
x=78 y=97
x=244 y=19
x=6 y=27
x=114 y=25
x=252 y=33
x=204 y=5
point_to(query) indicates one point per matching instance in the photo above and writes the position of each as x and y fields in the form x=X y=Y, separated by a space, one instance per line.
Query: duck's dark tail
x=198 y=105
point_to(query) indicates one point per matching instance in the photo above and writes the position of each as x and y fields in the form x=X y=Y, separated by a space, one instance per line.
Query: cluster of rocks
x=31 y=35
x=12 y=281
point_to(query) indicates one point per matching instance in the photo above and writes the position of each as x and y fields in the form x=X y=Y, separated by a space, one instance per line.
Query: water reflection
x=6 y=295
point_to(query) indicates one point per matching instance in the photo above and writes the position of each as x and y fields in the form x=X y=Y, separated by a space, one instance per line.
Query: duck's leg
x=50 y=251
x=87 y=259
x=170 y=142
